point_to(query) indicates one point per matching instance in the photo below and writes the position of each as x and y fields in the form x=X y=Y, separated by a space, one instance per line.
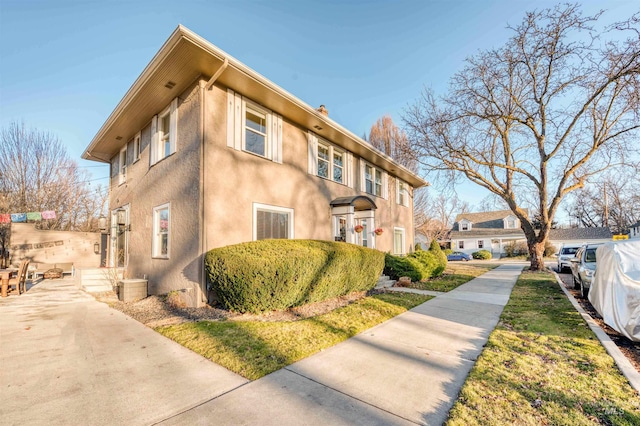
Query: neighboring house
x=579 y=236
x=485 y=231
x=634 y=230
x=205 y=152
x=493 y=230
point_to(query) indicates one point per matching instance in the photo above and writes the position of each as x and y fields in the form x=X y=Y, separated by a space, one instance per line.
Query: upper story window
x=402 y=193
x=164 y=130
x=122 y=165
x=330 y=162
x=465 y=225
x=253 y=128
x=255 y=138
x=373 y=181
x=510 y=222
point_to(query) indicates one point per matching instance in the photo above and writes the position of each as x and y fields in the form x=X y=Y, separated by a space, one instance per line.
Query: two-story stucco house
x=205 y=152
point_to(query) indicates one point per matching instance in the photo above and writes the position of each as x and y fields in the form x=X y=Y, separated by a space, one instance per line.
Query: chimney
x=322 y=110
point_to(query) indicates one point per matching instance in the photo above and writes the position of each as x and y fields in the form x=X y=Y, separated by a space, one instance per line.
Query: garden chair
x=20 y=281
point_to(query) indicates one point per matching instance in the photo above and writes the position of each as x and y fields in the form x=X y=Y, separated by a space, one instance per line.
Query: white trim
x=231 y=118
x=137 y=140
x=403 y=241
x=154 y=141
x=276 y=209
x=312 y=153
x=277 y=137
x=158 y=137
x=155 y=248
x=405 y=191
x=122 y=165
x=384 y=186
x=331 y=151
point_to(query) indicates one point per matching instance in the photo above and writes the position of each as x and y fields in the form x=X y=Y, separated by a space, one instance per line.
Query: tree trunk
x=536 y=253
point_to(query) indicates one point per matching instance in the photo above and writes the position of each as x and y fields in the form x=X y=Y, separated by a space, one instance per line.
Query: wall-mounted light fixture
x=122 y=216
x=102 y=223
x=96 y=248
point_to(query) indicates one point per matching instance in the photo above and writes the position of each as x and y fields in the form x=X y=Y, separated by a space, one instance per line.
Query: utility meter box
x=131 y=290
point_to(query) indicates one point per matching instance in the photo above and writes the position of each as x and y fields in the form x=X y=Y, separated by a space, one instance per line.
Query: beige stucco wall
x=174 y=180
x=234 y=180
x=53 y=246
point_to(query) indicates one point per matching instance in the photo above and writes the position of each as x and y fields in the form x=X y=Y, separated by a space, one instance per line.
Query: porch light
x=122 y=217
x=96 y=248
x=102 y=223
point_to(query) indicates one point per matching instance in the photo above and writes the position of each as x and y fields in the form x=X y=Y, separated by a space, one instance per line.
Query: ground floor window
x=460 y=244
x=398 y=241
x=272 y=222
x=161 y=230
x=480 y=244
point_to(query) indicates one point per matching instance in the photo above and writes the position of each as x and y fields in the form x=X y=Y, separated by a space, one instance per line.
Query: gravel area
x=158 y=311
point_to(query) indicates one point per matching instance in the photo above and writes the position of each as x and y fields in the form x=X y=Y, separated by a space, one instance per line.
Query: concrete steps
x=384 y=282
x=98 y=280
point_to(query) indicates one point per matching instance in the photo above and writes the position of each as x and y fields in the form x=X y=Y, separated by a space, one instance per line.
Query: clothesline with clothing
x=24 y=217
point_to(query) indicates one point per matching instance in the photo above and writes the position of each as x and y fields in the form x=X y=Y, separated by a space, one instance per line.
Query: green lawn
x=543 y=365
x=255 y=348
x=456 y=274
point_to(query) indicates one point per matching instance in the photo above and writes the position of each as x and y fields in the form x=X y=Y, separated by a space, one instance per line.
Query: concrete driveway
x=67 y=359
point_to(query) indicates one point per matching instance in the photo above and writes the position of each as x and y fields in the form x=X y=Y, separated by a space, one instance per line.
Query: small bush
x=419 y=265
x=447 y=252
x=397 y=266
x=514 y=249
x=279 y=274
x=549 y=249
x=482 y=255
x=418 y=247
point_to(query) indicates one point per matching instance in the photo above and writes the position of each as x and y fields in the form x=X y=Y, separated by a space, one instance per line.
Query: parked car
x=456 y=255
x=583 y=267
x=564 y=256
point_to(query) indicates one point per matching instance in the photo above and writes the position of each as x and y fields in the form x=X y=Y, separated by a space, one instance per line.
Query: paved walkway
x=73 y=360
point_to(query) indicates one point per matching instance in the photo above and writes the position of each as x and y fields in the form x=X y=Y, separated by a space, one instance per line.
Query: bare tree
x=388 y=138
x=434 y=215
x=38 y=175
x=556 y=105
x=613 y=201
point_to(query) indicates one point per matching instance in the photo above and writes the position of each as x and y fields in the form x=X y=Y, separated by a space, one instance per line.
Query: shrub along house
x=205 y=152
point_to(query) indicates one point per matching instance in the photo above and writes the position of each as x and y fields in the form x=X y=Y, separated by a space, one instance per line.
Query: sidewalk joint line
x=351 y=396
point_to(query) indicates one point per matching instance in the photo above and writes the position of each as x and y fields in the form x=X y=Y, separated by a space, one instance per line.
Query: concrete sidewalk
x=68 y=359
x=407 y=370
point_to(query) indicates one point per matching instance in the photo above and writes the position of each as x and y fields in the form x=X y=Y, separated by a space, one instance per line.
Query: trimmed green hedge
x=270 y=275
x=481 y=254
x=418 y=266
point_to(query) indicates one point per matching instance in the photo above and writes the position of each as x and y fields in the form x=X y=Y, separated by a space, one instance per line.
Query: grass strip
x=255 y=348
x=543 y=365
x=454 y=276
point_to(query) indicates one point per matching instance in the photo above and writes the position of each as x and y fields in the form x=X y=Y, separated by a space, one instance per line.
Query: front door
x=363 y=238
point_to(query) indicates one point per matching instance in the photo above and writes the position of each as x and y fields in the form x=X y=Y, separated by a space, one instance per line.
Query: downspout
x=203 y=232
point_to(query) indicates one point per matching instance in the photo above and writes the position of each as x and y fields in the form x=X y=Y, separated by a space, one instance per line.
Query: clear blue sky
x=64 y=65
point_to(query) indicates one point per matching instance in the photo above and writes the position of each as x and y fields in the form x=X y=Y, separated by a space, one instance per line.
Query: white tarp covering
x=615 y=290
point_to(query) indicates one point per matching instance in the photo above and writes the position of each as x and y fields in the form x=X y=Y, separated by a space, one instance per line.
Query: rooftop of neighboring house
x=582 y=234
x=484 y=220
